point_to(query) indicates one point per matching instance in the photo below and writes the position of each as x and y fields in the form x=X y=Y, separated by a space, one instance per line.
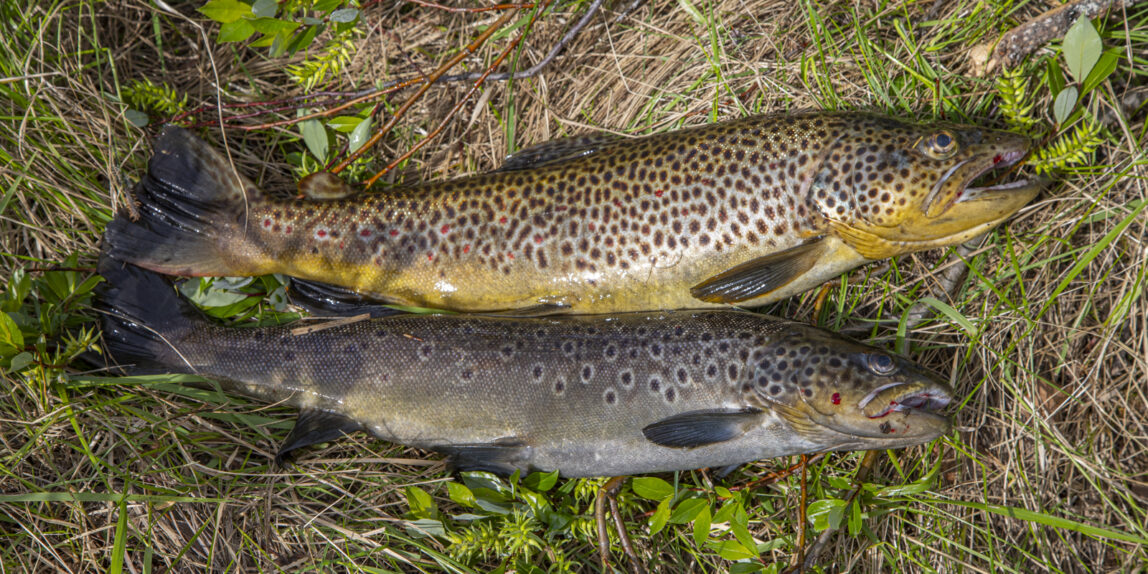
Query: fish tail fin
x=190 y=198
x=143 y=319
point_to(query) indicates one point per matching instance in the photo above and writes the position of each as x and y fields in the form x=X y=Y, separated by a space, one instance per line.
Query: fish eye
x=882 y=364
x=941 y=145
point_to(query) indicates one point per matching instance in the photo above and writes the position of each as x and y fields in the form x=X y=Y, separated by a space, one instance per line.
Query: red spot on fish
x=444 y=229
x=430 y=256
x=321 y=233
x=502 y=219
x=466 y=249
x=538 y=239
x=288 y=230
x=509 y=255
x=618 y=203
x=394 y=232
x=836 y=398
x=342 y=245
x=562 y=207
x=365 y=233
x=659 y=193
x=997 y=159
x=267 y=222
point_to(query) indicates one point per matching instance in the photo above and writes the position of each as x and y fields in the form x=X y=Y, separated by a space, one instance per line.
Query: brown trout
x=586 y=395
x=743 y=212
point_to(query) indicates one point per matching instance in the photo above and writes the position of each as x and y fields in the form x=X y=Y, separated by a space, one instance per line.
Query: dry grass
x=159 y=477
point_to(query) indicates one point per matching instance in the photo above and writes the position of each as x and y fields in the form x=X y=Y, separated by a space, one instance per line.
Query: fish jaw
x=937 y=202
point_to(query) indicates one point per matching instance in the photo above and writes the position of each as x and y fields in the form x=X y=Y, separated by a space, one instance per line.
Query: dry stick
x=624 y=537
x=1021 y=41
x=457 y=106
x=799 y=562
x=470 y=49
x=469 y=10
x=607 y=490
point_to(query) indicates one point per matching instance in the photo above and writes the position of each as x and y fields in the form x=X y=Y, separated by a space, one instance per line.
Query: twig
x=1025 y=39
x=822 y=541
x=465 y=98
x=429 y=4
x=329 y=324
x=430 y=80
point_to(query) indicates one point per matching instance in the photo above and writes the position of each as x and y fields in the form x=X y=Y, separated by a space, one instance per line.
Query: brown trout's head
x=890 y=187
x=843 y=395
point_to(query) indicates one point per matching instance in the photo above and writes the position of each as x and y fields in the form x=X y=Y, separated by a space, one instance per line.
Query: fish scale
x=747 y=212
x=584 y=395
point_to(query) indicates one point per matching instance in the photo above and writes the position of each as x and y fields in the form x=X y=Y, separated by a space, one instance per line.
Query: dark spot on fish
x=671 y=394
x=655 y=384
x=289 y=356
x=611 y=398
x=587 y=373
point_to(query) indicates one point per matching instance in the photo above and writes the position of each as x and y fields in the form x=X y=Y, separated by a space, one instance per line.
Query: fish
x=744 y=212
x=584 y=395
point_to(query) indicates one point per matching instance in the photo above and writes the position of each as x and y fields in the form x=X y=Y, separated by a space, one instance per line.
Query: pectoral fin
x=503 y=456
x=760 y=276
x=556 y=151
x=699 y=428
x=315 y=426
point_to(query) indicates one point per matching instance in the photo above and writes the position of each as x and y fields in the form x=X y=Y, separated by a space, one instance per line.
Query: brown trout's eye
x=882 y=364
x=941 y=145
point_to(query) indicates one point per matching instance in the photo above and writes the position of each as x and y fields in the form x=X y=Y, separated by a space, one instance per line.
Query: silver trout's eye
x=941 y=145
x=882 y=364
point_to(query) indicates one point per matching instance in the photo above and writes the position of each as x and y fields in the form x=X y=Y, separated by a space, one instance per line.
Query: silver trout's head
x=849 y=396
x=889 y=187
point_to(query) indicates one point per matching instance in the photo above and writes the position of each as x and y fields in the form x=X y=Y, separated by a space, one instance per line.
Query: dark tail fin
x=190 y=196
x=143 y=319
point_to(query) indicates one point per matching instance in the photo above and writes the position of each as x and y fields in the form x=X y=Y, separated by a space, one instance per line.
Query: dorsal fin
x=557 y=151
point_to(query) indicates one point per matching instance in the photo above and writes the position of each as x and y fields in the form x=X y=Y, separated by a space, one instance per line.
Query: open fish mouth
x=902 y=397
x=981 y=183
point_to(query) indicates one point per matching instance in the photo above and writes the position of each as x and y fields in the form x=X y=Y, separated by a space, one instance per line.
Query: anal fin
x=315 y=426
x=699 y=428
x=326 y=299
x=758 y=277
x=503 y=456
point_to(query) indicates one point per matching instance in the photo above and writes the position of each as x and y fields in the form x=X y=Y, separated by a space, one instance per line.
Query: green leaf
x=236 y=31
x=702 y=526
x=460 y=494
x=1082 y=48
x=1104 y=68
x=136 y=118
x=421 y=503
x=661 y=515
x=20 y=361
x=739 y=525
x=692 y=11
x=344 y=124
x=687 y=510
x=345 y=15
x=825 y=514
x=540 y=481
x=1051 y=521
x=652 y=488
x=725 y=513
x=315 y=136
x=271 y=26
x=11 y=339
x=424 y=527
x=1063 y=105
x=855 y=517
x=732 y=550
x=224 y=11
x=1054 y=77
x=265 y=8
x=360 y=135
x=327 y=5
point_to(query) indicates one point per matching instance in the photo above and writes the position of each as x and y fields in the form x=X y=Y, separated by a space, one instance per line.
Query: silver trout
x=743 y=212
x=584 y=395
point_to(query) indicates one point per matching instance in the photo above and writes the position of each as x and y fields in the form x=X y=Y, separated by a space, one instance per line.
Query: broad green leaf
x=20 y=361
x=1104 y=68
x=236 y=31
x=855 y=517
x=1063 y=105
x=271 y=26
x=477 y=479
x=224 y=11
x=360 y=135
x=303 y=40
x=750 y=567
x=702 y=526
x=424 y=527
x=460 y=494
x=725 y=513
x=825 y=514
x=315 y=137
x=540 y=481
x=661 y=515
x=344 y=124
x=421 y=503
x=652 y=488
x=136 y=118
x=1082 y=48
x=11 y=339
x=732 y=550
x=1054 y=77
x=687 y=510
x=328 y=5
x=265 y=8
x=345 y=15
